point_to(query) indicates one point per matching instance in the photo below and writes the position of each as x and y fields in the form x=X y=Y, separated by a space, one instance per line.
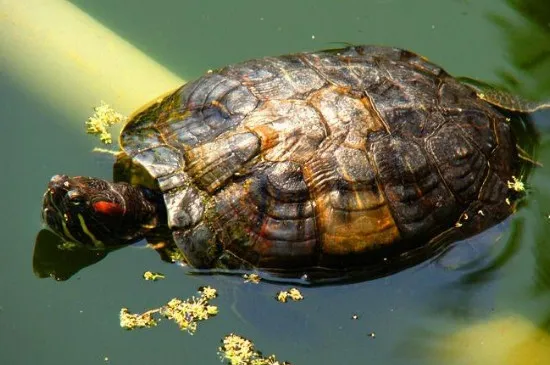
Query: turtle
x=327 y=162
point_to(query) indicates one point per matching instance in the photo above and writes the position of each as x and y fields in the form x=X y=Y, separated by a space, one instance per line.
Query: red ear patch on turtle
x=108 y=208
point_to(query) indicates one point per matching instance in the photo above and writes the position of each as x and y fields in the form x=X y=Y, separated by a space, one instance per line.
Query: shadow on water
x=52 y=260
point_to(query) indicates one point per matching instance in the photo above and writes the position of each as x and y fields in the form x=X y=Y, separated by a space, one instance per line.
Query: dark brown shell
x=329 y=159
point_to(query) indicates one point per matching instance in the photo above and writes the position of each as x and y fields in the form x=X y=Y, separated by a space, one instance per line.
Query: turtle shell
x=329 y=159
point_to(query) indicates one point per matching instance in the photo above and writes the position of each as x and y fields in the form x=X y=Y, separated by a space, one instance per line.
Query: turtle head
x=99 y=213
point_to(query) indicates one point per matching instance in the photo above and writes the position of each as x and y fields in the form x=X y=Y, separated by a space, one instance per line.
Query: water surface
x=43 y=321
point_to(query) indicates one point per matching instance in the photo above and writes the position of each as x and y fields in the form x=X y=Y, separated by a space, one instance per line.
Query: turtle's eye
x=108 y=208
x=74 y=196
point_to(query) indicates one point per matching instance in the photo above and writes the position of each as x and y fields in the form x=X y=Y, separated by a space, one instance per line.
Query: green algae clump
x=237 y=350
x=516 y=184
x=292 y=294
x=252 y=278
x=103 y=118
x=153 y=276
x=186 y=313
x=131 y=320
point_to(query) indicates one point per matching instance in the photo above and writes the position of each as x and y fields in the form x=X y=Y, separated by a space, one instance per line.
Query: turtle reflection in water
x=325 y=163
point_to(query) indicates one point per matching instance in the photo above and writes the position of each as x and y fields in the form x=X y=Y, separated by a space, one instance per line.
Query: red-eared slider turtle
x=330 y=160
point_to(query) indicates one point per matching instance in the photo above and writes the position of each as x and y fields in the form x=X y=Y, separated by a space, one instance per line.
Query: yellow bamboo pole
x=504 y=340
x=72 y=62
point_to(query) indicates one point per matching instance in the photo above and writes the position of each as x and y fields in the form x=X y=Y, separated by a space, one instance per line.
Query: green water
x=43 y=321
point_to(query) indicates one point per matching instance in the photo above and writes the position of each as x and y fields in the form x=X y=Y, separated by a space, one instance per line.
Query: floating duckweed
x=132 y=321
x=293 y=294
x=104 y=117
x=208 y=292
x=516 y=184
x=282 y=296
x=238 y=350
x=186 y=313
x=153 y=276
x=251 y=278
